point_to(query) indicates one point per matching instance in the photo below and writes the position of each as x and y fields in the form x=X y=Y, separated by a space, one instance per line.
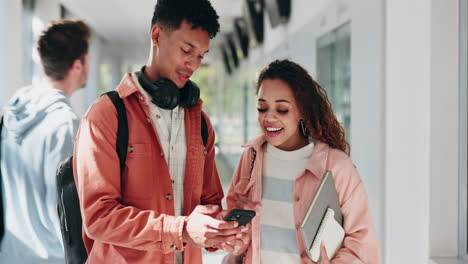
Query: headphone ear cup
x=166 y=94
x=189 y=95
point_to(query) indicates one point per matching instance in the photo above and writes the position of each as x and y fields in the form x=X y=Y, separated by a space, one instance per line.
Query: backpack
x=68 y=205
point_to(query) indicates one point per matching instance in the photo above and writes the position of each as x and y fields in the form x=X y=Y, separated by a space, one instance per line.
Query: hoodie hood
x=29 y=106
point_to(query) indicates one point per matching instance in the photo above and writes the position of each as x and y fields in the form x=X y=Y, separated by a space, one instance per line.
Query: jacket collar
x=317 y=163
x=127 y=87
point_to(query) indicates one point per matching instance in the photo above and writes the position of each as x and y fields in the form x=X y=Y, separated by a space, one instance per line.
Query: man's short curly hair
x=200 y=13
x=62 y=43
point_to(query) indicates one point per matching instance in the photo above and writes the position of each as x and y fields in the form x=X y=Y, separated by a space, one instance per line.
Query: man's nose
x=192 y=64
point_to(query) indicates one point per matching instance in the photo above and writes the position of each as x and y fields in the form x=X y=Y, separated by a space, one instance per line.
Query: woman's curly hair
x=312 y=101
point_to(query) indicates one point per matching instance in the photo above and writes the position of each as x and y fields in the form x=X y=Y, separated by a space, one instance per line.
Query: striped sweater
x=278 y=235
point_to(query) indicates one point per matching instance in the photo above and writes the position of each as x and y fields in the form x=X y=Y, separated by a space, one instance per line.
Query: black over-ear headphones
x=167 y=95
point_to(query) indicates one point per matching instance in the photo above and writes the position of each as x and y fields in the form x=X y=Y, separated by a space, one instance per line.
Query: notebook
x=320 y=223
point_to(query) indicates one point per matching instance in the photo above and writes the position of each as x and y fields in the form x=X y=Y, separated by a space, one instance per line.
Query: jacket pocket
x=137 y=182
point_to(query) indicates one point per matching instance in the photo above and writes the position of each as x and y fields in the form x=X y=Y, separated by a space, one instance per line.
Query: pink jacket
x=360 y=243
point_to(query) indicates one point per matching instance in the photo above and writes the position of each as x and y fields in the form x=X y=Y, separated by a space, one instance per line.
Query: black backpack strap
x=122 y=128
x=2 y=219
x=204 y=130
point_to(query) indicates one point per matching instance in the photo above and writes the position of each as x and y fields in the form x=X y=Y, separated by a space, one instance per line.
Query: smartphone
x=242 y=217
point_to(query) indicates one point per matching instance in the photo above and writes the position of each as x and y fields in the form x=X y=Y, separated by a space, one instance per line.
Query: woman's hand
x=323 y=255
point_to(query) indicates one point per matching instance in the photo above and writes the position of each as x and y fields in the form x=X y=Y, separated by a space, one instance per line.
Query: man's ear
x=156 y=32
x=77 y=65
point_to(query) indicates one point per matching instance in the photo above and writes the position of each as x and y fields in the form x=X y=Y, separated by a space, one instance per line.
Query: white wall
x=10 y=49
x=367 y=102
x=47 y=10
x=407 y=130
x=444 y=128
x=27 y=40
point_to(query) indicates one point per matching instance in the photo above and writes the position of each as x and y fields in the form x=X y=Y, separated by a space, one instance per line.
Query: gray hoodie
x=38 y=133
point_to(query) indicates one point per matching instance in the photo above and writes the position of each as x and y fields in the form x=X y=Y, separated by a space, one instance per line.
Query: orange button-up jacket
x=130 y=219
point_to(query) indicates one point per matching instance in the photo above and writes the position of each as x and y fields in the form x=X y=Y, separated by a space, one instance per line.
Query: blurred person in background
x=39 y=128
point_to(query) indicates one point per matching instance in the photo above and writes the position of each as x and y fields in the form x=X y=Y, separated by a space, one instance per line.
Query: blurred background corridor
x=395 y=71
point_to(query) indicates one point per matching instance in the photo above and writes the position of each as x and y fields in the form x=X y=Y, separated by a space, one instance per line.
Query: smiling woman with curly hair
x=279 y=173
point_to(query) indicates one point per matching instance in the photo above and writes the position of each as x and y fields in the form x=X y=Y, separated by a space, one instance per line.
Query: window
x=105 y=79
x=334 y=72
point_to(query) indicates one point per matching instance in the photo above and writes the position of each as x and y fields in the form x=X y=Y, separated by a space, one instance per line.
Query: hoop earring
x=303 y=128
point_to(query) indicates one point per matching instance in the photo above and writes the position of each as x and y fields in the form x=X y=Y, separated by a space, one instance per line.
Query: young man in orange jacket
x=164 y=206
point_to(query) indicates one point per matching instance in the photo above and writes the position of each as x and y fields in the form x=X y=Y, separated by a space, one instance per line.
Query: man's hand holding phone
x=202 y=230
x=242 y=240
x=243 y=217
